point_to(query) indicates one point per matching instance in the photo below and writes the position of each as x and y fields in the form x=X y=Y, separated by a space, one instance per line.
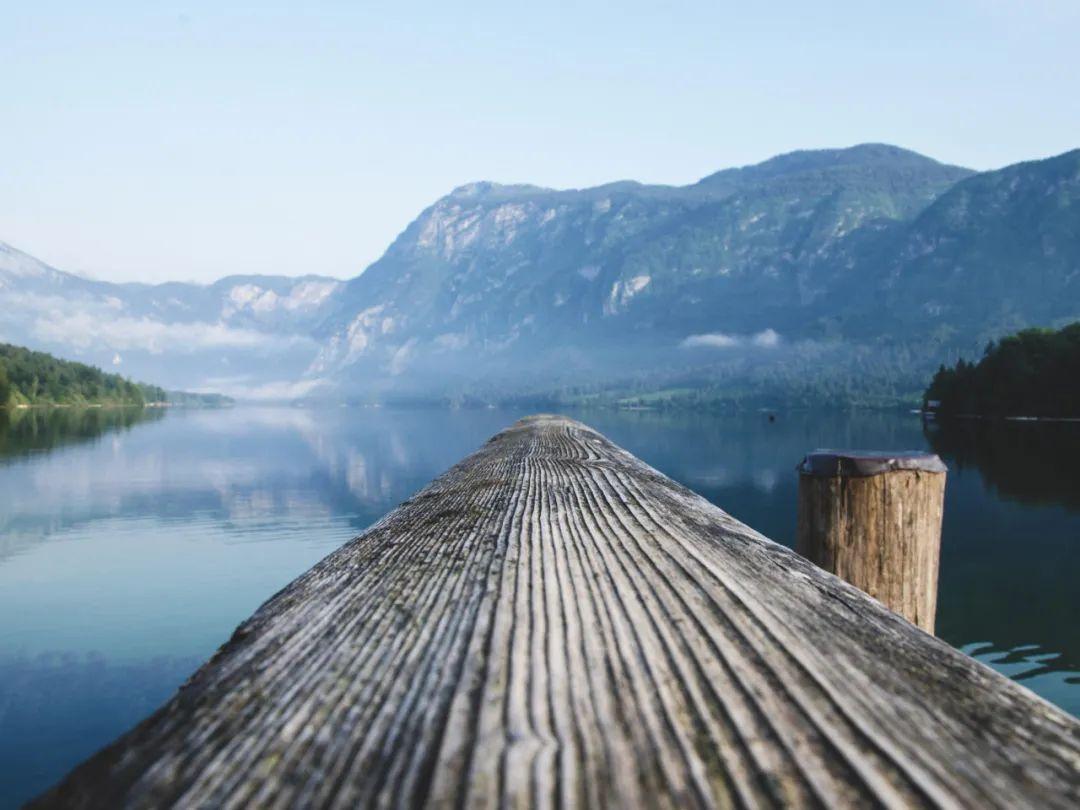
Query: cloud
x=283 y=390
x=452 y=341
x=86 y=329
x=244 y=388
x=765 y=339
x=713 y=340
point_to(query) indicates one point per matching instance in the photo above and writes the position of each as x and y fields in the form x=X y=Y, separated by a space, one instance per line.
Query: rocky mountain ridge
x=850 y=270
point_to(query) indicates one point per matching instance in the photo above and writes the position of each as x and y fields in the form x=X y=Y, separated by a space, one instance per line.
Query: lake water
x=131 y=544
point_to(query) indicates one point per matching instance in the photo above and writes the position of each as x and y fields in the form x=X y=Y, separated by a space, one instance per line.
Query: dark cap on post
x=862 y=463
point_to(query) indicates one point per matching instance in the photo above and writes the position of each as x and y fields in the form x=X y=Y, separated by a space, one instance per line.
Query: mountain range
x=840 y=275
x=248 y=334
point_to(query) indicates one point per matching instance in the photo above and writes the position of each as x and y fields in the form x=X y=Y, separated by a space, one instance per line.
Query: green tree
x=5 y=387
x=1035 y=372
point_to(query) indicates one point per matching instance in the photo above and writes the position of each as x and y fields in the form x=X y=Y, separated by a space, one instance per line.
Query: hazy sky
x=157 y=141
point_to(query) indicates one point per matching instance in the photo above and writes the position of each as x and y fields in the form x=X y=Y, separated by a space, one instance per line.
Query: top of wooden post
x=861 y=463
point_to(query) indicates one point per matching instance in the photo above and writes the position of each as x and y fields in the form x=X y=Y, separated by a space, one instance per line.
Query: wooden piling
x=874 y=519
x=553 y=623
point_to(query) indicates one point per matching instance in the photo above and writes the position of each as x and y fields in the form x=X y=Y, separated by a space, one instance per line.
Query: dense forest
x=1033 y=373
x=36 y=378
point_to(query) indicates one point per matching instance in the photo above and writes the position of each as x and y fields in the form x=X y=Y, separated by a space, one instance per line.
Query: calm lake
x=131 y=544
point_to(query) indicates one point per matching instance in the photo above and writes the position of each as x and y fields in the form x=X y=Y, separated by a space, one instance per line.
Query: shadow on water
x=55 y=704
x=1011 y=549
x=25 y=431
x=1035 y=463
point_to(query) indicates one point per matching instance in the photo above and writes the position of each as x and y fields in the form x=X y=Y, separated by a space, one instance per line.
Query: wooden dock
x=553 y=623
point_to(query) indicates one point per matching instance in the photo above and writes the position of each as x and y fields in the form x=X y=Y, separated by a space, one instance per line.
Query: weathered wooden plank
x=554 y=623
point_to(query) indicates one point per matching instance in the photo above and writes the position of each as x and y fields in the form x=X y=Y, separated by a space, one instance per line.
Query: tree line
x=36 y=378
x=1035 y=372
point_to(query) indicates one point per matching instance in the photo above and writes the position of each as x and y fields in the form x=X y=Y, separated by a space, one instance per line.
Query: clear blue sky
x=159 y=141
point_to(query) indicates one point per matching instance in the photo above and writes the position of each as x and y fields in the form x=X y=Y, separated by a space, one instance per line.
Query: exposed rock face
x=564 y=283
x=848 y=262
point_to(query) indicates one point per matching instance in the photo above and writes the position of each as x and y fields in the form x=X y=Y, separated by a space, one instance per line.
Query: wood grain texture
x=881 y=533
x=552 y=623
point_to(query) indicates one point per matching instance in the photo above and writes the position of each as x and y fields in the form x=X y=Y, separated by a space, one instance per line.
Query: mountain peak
x=859 y=154
x=14 y=262
x=864 y=156
x=486 y=189
x=475 y=189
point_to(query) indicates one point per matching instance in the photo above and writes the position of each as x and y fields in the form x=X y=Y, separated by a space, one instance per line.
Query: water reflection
x=32 y=430
x=132 y=544
x=1011 y=550
x=1029 y=462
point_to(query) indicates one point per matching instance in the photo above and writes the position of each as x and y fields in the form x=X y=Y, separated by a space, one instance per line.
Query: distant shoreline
x=25 y=406
x=939 y=417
